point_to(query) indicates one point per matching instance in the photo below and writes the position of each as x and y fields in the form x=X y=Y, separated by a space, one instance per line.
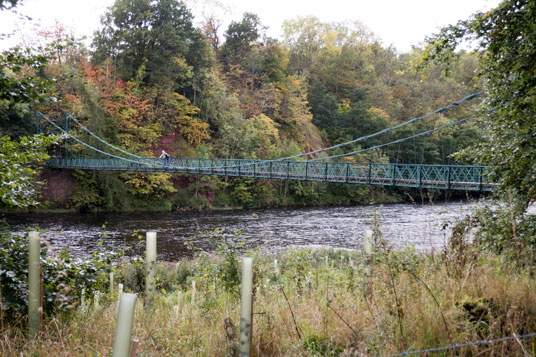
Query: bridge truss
x=447 y=177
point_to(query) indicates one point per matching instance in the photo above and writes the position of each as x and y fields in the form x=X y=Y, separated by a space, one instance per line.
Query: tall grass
x=313 y=306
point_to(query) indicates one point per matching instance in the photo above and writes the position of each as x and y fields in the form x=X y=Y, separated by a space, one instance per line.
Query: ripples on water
x=420 y=226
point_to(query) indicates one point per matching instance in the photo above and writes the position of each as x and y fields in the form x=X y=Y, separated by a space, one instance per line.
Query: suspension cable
x=413 y=120
x=101 y=140
x=402 y=139
x=89 y=146
x=410 y=121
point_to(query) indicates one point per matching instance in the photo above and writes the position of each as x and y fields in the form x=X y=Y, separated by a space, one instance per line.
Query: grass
x=309 y=305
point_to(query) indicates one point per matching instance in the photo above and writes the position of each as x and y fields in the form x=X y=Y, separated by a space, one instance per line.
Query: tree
x=22 y=84
x=8 y=4
x=506 y=41
x=156 y=34
x=323 y=106
x=19 y=162
x=240 y=37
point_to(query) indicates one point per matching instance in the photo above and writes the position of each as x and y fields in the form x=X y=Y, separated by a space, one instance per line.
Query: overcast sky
x=401 y=23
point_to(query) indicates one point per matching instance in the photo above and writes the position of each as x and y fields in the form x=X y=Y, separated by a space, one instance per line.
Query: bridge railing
x=449 y=177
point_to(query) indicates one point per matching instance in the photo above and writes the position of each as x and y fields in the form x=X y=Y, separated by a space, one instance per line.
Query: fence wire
x=462 y=345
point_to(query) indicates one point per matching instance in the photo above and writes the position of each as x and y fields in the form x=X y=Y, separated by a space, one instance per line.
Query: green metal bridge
x=448 y=177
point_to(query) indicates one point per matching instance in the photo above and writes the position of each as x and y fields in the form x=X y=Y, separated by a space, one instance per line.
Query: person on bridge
x=164 y=155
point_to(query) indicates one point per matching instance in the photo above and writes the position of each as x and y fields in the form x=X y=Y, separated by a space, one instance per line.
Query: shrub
x=63 y=276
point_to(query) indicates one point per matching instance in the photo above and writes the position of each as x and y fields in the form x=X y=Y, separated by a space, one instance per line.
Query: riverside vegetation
x=309 y=302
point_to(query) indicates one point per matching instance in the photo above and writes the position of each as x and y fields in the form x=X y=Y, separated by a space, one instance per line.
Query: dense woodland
x=152 y=80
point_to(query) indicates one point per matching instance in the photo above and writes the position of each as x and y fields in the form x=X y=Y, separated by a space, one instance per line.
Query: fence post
x=245 y=310
x=34 y=284
x=150 y=266
x=123 y=330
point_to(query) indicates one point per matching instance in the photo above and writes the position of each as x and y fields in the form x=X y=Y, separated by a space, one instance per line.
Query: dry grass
x=409 y=302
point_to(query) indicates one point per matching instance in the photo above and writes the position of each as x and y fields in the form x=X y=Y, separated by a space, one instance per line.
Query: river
x=420 y=226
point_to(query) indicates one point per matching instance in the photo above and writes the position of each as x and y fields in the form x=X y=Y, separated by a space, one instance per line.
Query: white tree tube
x=34 y=284
x=150 y=265
x=123 y=329
x=245 y=310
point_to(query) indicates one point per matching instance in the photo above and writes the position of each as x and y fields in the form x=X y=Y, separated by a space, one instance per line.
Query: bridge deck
x=449 y=177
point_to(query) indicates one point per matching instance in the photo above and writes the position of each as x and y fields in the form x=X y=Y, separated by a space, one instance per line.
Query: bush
x=63 y=277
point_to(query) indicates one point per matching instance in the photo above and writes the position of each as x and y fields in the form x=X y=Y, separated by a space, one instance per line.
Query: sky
x=401 y=23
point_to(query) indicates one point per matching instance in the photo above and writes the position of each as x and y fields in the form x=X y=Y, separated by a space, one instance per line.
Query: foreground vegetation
x=321 y=302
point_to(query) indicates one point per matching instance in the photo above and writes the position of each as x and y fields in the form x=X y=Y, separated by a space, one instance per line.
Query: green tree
x=19 y=163
x=22 y=83
x=506 y=40
x=156 y=34
x=241 y=37
x=323 y=106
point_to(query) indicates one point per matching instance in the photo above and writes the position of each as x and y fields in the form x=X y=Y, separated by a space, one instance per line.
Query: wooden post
x=245 y=310
x=134 y=348
x=123 y=330
x=34 y=284
x=150 y=266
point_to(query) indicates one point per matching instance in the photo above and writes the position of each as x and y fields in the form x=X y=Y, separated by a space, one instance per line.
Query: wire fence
x=463 y=345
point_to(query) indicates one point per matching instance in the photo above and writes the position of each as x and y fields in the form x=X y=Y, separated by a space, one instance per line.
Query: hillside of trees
x=152 y=80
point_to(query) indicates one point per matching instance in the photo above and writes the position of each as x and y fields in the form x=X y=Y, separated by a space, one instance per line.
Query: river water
x=424 y=227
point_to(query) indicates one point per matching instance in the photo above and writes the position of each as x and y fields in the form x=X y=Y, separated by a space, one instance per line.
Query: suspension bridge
x=441 y=176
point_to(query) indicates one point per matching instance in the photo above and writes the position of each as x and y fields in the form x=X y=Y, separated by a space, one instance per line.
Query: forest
x=153 y=81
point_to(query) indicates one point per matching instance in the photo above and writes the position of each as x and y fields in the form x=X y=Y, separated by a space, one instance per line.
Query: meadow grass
x=309 y=305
